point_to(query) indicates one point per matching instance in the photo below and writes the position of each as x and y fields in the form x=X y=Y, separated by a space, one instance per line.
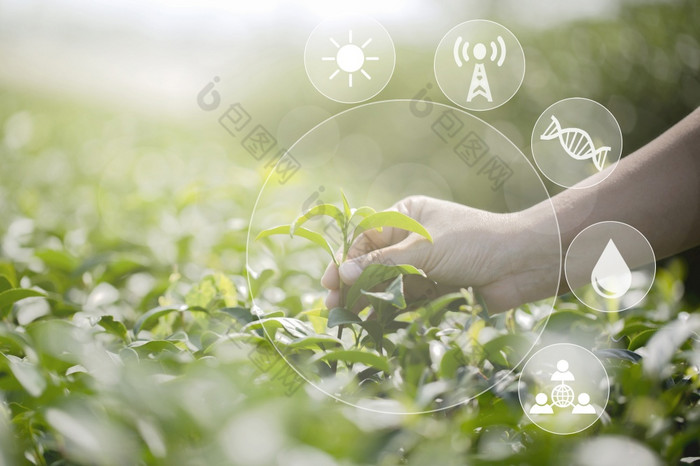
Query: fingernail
x=349 y=271
x=332 y=299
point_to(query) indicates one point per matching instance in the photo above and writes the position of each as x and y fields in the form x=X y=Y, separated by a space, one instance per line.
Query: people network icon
x=562 y=395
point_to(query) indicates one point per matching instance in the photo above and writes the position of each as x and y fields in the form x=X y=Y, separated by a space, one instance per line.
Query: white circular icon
x=479 y=65
x=564 y=388
x=349 y=60
x=574 y=139
x=610 y=266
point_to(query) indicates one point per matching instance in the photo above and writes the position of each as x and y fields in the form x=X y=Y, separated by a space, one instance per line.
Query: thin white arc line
x=366 y=43
x=365 y=74
x=334 y=73
x=349 y=79
x=328 y=58
x=371 y=58
x=349 y=36
x=337 y=45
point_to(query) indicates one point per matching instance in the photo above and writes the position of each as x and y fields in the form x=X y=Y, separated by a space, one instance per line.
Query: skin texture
x=508 y=258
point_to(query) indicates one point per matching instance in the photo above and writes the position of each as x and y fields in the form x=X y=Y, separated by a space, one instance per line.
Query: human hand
x=470 y=247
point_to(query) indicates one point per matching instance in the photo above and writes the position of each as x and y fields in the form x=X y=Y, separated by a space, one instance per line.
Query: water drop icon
x=611 y=277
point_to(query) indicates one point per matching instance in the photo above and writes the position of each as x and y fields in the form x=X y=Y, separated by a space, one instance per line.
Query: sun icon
x=350 y=58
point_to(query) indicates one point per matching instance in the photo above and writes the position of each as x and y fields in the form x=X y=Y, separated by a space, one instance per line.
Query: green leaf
x=634 y=328
x=375 y=274
x=341 y=316
x=392 y=295
x=391 y=219
x=153 y=315
x=641 y=339
x=294 y=327
x=5 y=284
x=328 y=210
x=565 y=319
x=303 y=232
x=363 y=212
x=318 y=318
x=212 y=291
x=353 y=356
x=113 y=327
x=346 y=206
x=313 y=341
x=27 y=375
x=8 y=276
x=145 y=348
x=435 y=309
x=12 y=342
x=257 y=280
x=665 y=342
x=58 y=343
x=202 y=294
x=226 y=289
x=617 y=353
x=450 y=362
x=11 y=296
x=507 y=350
x=57 y=259
x=374 y=330
x=241 y=314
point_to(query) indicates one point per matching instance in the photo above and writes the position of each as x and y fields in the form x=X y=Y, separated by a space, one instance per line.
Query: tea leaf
x=314 y=341
x=392 y=295
x=368 y=359
x=340 y=316
x=618 y=353
x=374 y=330
x=27 y=375
x=329 y=210
x=8 y=274
x=303 y=232
x=375 y=274
x=391 y=219
x=113 y=326
x=153 y=315
x=11 y=296
x=294 y=327
x=363 y=212
x=664 y=343
x=346 y=206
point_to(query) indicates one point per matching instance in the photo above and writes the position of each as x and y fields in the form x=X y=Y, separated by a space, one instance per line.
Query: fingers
x=333 y=299
x=331 y=279
x=365 y=244
x=369 y=241
x=400 y=253
x=372 y=246
x=373 y=239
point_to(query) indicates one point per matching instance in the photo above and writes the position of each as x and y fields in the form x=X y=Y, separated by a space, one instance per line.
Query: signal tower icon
x=479 y=85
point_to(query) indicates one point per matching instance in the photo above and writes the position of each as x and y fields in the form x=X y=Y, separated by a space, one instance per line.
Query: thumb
x=396 y=254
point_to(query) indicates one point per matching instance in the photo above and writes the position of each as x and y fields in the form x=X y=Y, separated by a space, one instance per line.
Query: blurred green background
x=118 y=193
x=99 y=100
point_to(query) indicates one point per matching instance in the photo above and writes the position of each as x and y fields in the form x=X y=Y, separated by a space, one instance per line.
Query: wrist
x=531 y=259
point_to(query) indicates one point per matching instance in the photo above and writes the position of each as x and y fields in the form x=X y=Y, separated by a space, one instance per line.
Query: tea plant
x=384 y=304
x=394 y=334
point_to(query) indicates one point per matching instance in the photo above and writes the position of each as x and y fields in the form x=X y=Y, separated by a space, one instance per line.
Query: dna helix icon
x=576 y=142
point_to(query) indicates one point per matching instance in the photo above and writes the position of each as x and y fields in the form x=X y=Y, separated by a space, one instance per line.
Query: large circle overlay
x=444 y=152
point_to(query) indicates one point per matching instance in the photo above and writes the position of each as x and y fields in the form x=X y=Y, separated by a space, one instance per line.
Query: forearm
x=656 y=190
